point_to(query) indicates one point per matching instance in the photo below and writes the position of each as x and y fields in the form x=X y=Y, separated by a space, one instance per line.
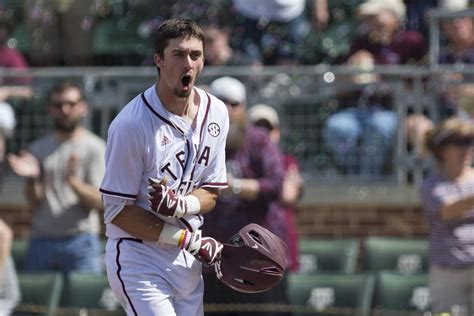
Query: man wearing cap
x=382 y=37
x=255 y=177
x=281 y=217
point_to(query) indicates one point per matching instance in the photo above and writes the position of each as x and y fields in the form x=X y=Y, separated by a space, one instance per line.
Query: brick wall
x=342 y=220
x=325 y=211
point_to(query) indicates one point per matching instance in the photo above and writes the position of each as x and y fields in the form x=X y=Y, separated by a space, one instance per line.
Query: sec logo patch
x=214 y=129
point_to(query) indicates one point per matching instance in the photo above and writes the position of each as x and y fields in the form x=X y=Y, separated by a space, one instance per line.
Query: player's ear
x=157 y=59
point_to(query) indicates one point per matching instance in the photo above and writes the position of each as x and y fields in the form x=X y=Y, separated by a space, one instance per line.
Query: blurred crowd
x=267 y=32
x=358 y=133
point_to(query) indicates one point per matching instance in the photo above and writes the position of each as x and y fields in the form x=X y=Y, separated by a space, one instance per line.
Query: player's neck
x=182 y=106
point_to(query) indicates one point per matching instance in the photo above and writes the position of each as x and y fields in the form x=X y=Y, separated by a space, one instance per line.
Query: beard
x=181 y=93
x=66 y=126
x=235 y=137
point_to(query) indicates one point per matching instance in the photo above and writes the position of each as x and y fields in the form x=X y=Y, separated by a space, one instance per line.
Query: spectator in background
x=12 y=59
x=7 y=125
x=447 y=197
x=270 y=30
x=63 y=170
x=382 y=35
x=61 y=32
x=255 y=177
x=454 y=90
x=364 y=124
x=417 y=15
x=266 y=117
x=458 y=35
x=9 y=288
x=456 y=96
x=217 y=49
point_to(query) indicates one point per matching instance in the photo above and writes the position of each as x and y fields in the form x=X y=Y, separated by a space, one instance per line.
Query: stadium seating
x=19 y=247
x=400 y=292
x=396 y=254
x=328 y=255
x=40 y=293
x=90 y=291
x=335 y=294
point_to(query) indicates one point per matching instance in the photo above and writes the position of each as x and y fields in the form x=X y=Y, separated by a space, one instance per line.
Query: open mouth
x=186 y=80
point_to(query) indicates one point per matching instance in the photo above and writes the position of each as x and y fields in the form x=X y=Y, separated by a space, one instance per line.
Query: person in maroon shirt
x=10 y=57
x=18 y=87
x=255 y=177
x=267 y=117
x=382 y=37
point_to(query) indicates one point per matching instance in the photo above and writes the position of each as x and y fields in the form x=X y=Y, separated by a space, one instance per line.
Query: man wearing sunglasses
x=63 y=170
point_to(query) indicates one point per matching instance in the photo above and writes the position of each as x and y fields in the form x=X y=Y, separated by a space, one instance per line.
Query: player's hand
x=205 y=249
x=163 y=200
x=210 y=251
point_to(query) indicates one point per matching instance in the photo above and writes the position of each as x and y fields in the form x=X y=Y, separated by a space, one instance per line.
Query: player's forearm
x=139 y=223
x=457 y=209
x=34 y=191
x=89 y=196
x=207 y=199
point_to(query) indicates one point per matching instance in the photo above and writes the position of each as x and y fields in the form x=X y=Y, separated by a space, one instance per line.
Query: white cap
x=264 y=112
x=371 y=7
x=228 y=88
x=7 y=118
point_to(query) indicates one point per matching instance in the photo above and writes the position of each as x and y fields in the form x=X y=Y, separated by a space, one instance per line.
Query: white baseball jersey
x=145 y=140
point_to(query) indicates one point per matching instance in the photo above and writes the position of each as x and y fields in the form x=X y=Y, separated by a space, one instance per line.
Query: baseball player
x=165 y=163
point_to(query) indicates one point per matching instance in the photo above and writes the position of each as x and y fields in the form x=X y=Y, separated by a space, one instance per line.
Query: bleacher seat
x=404 y=255
x=328 y=255
x=334 y=294
x=40 y=293
x=90 y=291
x=19 y=247
x=400 y=292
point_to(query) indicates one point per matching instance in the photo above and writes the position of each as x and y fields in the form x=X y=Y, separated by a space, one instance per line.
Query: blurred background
x=356 y=84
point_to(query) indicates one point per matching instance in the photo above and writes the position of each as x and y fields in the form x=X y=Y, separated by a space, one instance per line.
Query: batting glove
x=165 y=202
x=206 y=249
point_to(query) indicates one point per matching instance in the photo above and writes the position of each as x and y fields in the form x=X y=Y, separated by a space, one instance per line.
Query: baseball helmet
x=253 y=261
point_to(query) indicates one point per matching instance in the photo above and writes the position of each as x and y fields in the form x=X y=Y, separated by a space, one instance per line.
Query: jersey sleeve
x=124 y=162
x=216 y=174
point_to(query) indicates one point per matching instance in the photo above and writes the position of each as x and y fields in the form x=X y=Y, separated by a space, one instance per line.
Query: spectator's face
x=236 y=111
x=216 y=41
x=459 y=29
x=67 y=109
x=237 y=128
x=180 y=65
x=457 y=153
x=381 y=24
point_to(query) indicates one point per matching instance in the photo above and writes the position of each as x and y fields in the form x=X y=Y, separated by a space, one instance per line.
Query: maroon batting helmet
x=254 y=261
